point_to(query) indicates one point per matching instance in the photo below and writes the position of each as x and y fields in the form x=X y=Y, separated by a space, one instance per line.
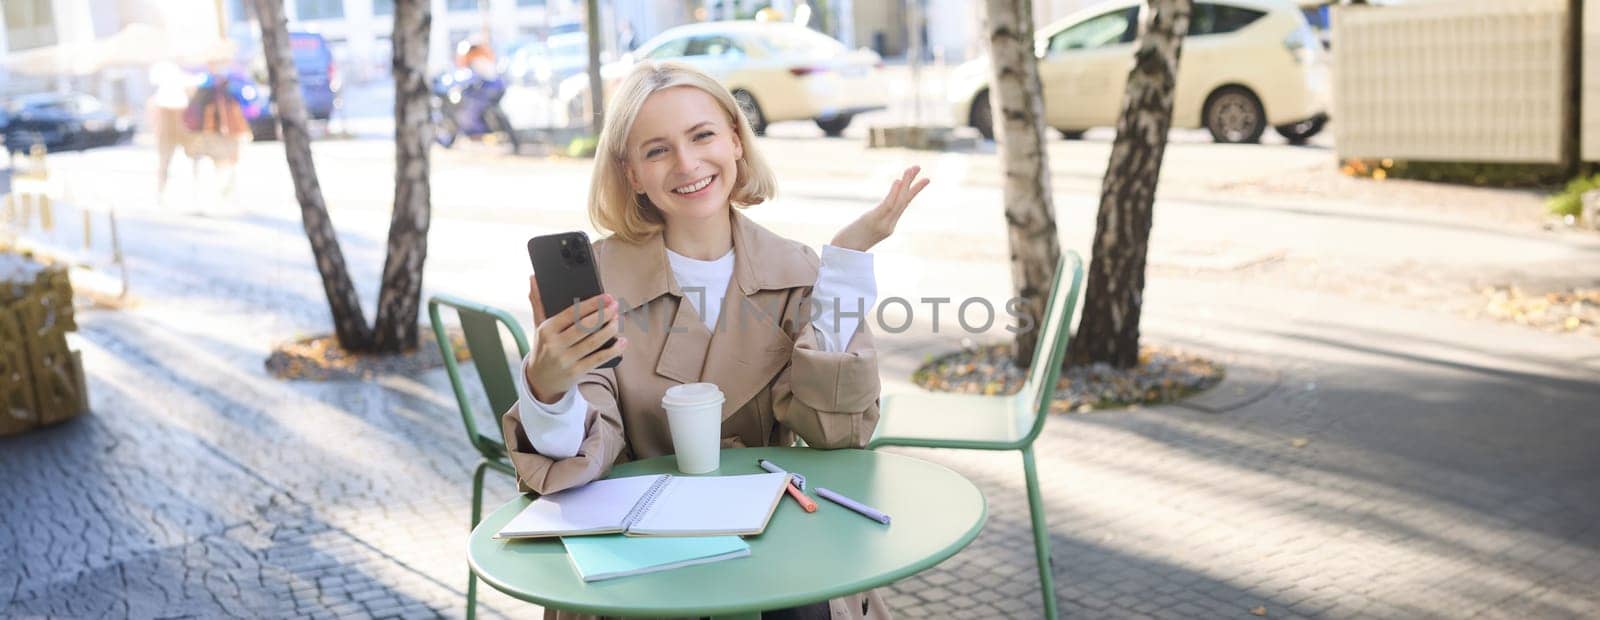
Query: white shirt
x=703 y=280
x=845 y=285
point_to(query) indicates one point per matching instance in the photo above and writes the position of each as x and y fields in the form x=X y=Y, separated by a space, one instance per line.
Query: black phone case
x=564 y=264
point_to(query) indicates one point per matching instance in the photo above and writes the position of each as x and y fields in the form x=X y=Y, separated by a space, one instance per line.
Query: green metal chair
x=480 y=324
x=976 y=422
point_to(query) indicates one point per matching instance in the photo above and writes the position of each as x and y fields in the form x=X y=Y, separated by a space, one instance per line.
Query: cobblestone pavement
x=1429 y=487
x=1362 y=460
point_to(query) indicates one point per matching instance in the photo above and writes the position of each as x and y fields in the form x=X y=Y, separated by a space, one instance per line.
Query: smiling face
x=683 y=153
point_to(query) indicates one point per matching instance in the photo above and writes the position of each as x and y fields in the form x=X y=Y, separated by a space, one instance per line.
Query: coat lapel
x=750 y=345
x=683 y=355
x=748 y=348
x=638 y=275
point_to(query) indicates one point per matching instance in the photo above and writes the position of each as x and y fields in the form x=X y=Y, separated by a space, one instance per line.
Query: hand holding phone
x=576 y=323
x=567 y=345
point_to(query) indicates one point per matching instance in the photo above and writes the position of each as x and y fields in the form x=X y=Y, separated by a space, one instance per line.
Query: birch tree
x=1114 y=296
x=1017 y=97
x=399 y=295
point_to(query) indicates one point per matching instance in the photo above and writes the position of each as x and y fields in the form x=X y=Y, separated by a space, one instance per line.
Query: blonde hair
x=613 y=205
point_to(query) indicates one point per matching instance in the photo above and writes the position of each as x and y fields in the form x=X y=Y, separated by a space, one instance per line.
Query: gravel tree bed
x=320 y=358
x=1575 y=310
x=1163 y=375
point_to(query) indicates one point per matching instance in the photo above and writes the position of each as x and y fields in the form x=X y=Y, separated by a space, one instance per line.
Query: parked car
x=63 y=122
x=777 y=71
x=1245 y=65
x=533 y=69
x=320 y=84
x=548 y=62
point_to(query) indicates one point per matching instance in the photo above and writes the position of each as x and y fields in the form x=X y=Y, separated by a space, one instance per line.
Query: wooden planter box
x=41 y=380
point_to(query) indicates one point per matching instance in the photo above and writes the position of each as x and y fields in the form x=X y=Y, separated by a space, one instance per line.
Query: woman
x=703 y=294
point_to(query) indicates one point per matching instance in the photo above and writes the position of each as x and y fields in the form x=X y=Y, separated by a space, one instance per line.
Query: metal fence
x=1475 y=80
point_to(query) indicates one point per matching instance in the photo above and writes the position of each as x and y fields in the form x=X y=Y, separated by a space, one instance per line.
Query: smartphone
x=564 y=264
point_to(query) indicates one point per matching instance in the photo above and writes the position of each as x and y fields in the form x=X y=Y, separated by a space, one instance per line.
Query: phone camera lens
x=566 y=253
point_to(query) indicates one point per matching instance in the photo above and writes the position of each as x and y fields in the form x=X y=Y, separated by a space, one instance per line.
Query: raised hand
x=878 y=223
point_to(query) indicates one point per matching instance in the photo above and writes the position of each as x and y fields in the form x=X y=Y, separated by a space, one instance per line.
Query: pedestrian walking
x=627 y=40
x=165 y=108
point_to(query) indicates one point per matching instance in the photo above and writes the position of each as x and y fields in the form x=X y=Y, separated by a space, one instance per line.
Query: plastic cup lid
x=691 y=394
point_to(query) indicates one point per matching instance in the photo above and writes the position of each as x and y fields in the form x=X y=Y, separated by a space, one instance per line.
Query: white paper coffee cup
x=694 y=414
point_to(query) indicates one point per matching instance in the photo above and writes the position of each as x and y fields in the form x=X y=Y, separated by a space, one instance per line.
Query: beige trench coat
x=764 y=355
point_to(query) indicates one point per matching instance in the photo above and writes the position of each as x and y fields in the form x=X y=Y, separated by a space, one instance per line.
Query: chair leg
x=477 y=492
x=477 y=513
x=1041 y=534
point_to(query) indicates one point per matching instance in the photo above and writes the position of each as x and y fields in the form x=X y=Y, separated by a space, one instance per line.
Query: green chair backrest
x=480 y=325
x=1038 y=392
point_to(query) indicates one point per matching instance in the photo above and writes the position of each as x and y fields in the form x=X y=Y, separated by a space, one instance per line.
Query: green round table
x=801 y=558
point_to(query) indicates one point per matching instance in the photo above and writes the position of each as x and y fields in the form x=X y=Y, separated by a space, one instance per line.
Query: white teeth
x=690 y=189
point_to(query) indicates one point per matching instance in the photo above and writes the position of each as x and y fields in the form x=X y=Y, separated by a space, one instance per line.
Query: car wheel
x=1234 y=116
x=752 y=111
x=834 y=127
x=1072 y=134
x=1299 y=133
x=982 y=119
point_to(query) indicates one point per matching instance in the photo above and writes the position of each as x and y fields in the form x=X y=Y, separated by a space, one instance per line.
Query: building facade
x=360 y=32
x=56 y=28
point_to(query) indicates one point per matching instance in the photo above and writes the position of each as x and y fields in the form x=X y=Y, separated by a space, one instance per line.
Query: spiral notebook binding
x=645 y=502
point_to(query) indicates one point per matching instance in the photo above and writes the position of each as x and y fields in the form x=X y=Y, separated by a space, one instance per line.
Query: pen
x=805 y=502
x=865 y=510
x=796 y=481
x=799 y=479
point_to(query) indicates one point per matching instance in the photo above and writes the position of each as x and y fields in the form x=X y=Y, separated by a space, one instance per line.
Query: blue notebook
x=614 y=555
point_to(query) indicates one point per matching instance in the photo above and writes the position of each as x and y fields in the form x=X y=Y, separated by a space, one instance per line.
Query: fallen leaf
x=1299 y=442
x=1259 y=611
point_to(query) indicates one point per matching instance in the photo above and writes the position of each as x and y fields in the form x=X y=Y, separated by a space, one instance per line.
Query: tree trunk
x=597 y=106
x=1016 y=97
x=400 y=294
x=1109 y=331
x=349 y=324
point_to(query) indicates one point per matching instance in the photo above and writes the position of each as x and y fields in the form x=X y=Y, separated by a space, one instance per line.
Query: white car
x=1245 y=65
x=777 y=71
x=533 y=70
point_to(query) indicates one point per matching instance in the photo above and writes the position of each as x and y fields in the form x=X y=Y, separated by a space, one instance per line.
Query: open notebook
x=659 y=505
x=610 y=556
